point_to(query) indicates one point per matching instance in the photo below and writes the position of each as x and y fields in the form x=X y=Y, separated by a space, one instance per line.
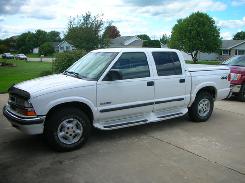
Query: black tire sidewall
x=193 y=110
x=51 y=128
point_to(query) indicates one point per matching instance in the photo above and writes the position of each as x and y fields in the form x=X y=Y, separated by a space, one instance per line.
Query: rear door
x=170 y=87
x=131 y=96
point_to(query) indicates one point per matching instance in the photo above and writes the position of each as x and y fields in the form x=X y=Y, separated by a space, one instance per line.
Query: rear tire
x=202 y=107
x=67 y=129
x=241 y=95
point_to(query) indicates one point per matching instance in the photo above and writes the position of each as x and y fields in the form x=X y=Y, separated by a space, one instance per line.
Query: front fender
x=59 y=101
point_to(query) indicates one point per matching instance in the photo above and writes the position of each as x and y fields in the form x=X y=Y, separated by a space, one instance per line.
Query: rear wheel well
x=208 y=89
x=84 y=107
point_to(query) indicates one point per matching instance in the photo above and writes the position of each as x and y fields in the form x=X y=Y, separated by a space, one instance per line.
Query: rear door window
x=167 y=63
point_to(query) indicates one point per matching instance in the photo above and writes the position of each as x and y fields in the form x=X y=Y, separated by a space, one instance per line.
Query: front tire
x=67 y=129
x=202 y=107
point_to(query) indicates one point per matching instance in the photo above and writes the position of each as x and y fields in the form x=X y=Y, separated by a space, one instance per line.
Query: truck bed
x=202 y=67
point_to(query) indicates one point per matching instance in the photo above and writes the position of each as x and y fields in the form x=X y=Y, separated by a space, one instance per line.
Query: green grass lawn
x=210 y=62
x=23 y=71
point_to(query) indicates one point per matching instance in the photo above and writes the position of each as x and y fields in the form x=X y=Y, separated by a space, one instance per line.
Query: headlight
x=21 y=106
x=235 y=76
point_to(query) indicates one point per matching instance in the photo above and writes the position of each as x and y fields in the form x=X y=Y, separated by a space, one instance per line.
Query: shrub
x=46 y=73
x=66 y=59
x=152 y=44
x=46 y=49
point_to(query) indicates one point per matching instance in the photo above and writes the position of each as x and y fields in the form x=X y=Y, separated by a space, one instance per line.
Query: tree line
x=195 y=33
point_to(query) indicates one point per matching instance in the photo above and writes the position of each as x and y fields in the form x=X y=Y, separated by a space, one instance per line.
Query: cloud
x=175 y=8
x=10 y=7
x=231 y=24
x=226 y=35
x=237 y=2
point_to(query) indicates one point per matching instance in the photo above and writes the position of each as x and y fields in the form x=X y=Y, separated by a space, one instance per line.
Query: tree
x=111 y=32
x=152 y=44
x=164 y=39
x=3 y=48
x=26 y=42
x=196 y=33
x=84 y=31
x=40 y=37
x=53 y=36
x=239 y=36
x=46 y=49
x=66 y=59
x=144 y=37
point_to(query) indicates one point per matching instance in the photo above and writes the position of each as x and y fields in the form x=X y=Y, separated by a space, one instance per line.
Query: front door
x=131 y=96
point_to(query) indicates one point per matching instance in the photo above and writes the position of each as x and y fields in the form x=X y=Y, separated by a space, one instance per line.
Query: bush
x=46 y=49
x=66 y=59
x=152 y=44
x=46 y=73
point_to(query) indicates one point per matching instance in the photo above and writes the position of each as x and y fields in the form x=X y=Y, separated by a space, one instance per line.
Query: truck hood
x=52 y=83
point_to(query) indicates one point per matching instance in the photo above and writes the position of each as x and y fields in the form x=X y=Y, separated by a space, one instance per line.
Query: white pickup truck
x=115 y=88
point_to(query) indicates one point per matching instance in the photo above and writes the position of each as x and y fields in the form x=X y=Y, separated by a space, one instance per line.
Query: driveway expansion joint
x=197 y=155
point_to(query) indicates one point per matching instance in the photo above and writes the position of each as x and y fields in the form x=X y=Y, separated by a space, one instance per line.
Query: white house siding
x=186 y=56
x=64 y=46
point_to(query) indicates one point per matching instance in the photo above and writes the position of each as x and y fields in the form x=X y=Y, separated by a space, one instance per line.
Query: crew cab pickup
x=115 y=88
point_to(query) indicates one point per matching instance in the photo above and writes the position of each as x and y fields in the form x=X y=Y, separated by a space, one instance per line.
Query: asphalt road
x=172 y=151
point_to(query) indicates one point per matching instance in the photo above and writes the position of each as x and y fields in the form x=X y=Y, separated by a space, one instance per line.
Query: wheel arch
x=81 y=105
x=205 y=88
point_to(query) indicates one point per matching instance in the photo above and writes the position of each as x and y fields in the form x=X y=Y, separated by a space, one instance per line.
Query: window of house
x=132 y=65
x=240 y=52
x=225 y=52
x=167 y=63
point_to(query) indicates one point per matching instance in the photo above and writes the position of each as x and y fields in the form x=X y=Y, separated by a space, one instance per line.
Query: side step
x=121 y=125
x=113 y=126
x=171 y=115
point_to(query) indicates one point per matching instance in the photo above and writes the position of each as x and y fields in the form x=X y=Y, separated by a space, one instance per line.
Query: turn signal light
x=29 y=113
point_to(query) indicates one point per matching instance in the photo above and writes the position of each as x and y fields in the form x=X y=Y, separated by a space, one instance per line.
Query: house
x=126 y=42
x=231 y=48
x=58 y=47
x=64 y=46
x=135 y=42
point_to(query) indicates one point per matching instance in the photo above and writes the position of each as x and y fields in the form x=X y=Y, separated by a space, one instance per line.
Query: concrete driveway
x=172 y=151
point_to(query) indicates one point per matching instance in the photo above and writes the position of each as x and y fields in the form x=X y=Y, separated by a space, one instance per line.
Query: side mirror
x=113 y=75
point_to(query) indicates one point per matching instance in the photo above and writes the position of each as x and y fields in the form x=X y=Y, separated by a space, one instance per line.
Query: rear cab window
x=167 y=63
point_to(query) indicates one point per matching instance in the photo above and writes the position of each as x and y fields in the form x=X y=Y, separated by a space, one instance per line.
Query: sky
x=132 y=17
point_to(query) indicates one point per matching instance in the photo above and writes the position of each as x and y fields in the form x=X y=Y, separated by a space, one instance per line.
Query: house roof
x=126 y=41
x=228 y=44
x=60 y=43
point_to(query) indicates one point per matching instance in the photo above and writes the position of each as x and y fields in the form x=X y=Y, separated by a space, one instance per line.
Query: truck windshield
x=235 y=61
x=92 y=65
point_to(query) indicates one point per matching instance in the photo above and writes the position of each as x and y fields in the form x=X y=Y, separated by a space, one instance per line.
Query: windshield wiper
x=71 y=73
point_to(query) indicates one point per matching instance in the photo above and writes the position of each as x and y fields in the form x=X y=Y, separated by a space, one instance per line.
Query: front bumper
x=29 y=125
